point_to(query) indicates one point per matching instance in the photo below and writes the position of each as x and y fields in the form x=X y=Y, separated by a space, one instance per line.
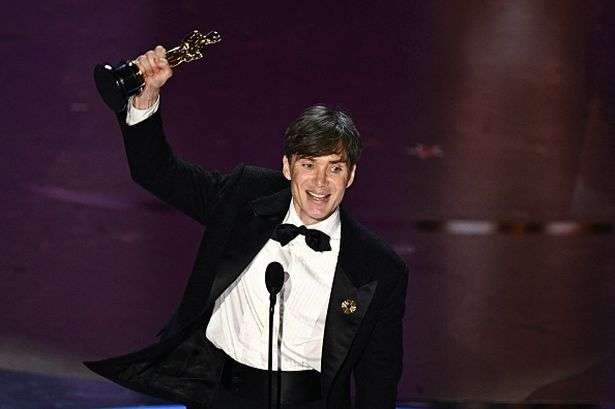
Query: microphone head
x=274 y=277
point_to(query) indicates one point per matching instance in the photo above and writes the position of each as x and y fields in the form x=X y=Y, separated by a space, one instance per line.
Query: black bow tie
x=315 y=239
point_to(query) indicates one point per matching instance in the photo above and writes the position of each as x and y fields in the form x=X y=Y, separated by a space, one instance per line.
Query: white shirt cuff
x=136 y=115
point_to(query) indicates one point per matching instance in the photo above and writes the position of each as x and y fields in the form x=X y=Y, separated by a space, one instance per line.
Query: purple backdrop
x=486 y=112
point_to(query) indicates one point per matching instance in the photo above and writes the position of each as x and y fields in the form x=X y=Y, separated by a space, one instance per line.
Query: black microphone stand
x=274 y=280
x=272 y=298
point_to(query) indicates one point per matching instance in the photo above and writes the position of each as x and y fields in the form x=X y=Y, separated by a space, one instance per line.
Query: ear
x=351 y=178
x=285 y=167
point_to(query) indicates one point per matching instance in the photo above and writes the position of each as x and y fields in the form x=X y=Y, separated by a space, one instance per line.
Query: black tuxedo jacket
x=239 y=211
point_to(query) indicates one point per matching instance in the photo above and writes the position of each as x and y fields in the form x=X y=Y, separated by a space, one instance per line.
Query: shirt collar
x=329 y=226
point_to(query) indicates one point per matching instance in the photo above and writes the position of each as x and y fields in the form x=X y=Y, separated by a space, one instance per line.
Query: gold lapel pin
x=349 y=306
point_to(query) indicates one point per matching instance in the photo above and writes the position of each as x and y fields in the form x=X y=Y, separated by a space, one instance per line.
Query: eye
x=337 y=168
x=307 y=165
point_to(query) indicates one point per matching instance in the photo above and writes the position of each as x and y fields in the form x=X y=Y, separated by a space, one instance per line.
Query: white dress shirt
x=239 y=324
x=136 y=115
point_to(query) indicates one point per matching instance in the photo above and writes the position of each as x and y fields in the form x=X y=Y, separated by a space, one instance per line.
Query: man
x=344 y=293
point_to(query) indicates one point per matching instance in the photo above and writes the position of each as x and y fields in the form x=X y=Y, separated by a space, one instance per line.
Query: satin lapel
x=252 y=228
x=341 y=326
x=342 y=321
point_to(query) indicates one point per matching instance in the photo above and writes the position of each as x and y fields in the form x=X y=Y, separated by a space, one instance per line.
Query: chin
x=320 y=215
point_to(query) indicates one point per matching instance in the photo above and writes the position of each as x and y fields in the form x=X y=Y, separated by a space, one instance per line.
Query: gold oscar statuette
x=117 y=84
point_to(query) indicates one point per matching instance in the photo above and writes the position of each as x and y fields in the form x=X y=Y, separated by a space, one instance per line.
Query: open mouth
x=318 y=197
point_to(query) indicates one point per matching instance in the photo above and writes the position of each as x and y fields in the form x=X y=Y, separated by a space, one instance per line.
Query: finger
x=167 y=69
x=142 y=63
x=160 y=58
x=163 y=66
x=162 y=62
x=152 y=60
x=160 y=51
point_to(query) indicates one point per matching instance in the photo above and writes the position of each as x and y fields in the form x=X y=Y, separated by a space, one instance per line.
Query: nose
x=321 y=177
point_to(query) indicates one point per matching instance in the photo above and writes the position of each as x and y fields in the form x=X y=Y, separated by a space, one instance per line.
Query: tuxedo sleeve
x=188 y=187
x=379 y=370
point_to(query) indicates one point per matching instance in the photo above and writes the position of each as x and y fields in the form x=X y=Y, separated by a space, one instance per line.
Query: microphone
x=274 y=280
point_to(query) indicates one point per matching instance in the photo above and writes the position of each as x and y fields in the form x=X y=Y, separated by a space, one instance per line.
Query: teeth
x=317 y=196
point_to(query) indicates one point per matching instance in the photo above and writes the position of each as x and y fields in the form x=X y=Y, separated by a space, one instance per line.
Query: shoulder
x=377 y=255
x=247 y=182
x=260 y=181
x=262 y=175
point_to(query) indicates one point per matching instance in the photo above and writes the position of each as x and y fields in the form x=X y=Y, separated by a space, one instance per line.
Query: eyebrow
x=311 y=159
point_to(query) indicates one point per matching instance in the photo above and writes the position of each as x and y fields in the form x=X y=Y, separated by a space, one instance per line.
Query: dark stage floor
x=21 y=390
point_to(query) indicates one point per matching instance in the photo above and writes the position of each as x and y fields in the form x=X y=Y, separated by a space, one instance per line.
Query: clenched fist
x=156 y=71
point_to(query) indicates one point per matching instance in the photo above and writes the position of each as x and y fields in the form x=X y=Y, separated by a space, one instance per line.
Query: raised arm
x=185 y=186
x=156 y=71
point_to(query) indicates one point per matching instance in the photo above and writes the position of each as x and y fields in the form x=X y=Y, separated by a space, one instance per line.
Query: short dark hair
x=321 y=130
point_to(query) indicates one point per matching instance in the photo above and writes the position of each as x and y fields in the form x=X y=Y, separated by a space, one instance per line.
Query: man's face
x=317 y=184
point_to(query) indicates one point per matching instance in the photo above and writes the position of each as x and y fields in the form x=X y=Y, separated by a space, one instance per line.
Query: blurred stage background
x=489 y=130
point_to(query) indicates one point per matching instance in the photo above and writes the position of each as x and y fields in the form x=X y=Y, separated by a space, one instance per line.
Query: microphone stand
x=274 y=280
x=272 y=298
